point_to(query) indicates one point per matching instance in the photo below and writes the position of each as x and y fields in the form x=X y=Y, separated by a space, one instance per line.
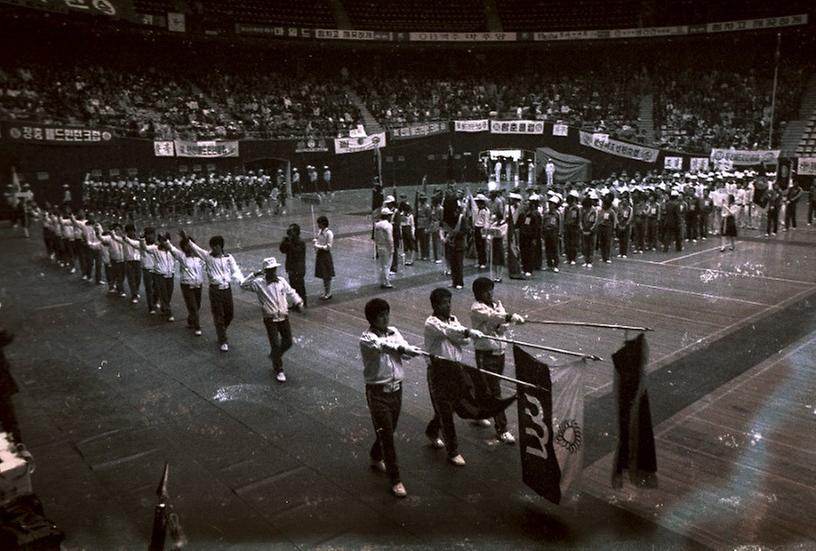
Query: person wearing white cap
x=672 y=222
x=607 y=225
x=296 y=183
x=530 y=234
x=551 y=228
x=384 y=243
x=327 y=183
x=792 y=195
x=549 y=170
x=572 y=226
x=511 y=217
x=589 y=227
x=481 y=223
x=274 y=293
x=625 y=214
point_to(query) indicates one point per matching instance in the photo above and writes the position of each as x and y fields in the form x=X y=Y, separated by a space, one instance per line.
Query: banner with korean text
x=480 y=125
x=699 y=164
x=743 y=157
x=419 y=130
x=673 y=163
x=616 y=147
x=353 y=145
x=516 y=127
x=208 y=149
x=560 y=130
x=164 y=148
x=807 y=166
x=54 y=134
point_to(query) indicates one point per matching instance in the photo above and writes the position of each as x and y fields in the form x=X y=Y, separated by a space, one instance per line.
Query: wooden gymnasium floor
x=109 y=393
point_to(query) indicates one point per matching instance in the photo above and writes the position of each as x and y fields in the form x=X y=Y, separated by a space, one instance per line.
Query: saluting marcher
x=490 y=318
x=274 y=293
x=165 y=268
x=444 y=338
x=383 y=349
x=191 y=268
x=221 y=270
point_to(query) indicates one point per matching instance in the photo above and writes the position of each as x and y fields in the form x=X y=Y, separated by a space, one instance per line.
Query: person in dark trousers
x=221 y=270
x=706 y=208
x=625 y=215
x=274 y=293
x=530 y=234
x=444 y=338
x=811 y=201
x=8 y=388
x=792 y=195
x=572 y=227
x=551 y=227
x=774 y=205
x=295 y=250
x=192 y=279
x=383 y=349
x=490 y=317
x=607 y=223
x=456 y=246
x=589 y=228
x=672 y=227
x=324 y=264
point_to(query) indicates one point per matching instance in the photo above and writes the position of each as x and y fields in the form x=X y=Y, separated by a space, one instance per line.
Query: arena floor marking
x=679 y=291
x=670 y=260
x=716 y=271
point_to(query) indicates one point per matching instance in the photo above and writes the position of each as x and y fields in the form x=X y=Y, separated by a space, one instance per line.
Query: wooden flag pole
x=491 y=374
x=592 y=357
x=589 y=324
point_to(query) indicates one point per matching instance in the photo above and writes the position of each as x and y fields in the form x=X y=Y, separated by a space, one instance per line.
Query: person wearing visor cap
x=274 y=293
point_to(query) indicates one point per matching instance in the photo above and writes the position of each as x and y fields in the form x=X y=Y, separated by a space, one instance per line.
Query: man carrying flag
x=551 y=424
x=444 y=338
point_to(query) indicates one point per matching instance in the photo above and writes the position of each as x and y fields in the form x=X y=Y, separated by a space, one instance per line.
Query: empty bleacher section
x=567 y=15
x=417 y=15
x=300 y=13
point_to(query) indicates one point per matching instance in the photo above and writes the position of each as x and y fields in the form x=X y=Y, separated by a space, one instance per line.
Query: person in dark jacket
x=672 y=228
x=295 y=250
x=8 y=388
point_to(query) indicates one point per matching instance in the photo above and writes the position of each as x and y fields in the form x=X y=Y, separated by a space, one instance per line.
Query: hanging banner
x=334 y=34
x=560 y=130
x=176 y=22
x=209 y=149
x=164 y=148
x=742 y=157
x=462 y=37
x=311 y=146
x=122 y=9
x=699 y=164
x=419 y=130
x=353 y=145
x=516 y=127
x=673 y=163
x=807 y=166
x=621 y=149
x=480 y=125
x=55 y=135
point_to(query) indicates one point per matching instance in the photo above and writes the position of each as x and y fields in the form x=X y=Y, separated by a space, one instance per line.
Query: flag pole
x=588 y=324
x=491 y=374
x=773 y=94
x=592 y=357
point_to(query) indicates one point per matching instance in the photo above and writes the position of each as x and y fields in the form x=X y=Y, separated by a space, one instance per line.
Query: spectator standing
x=294 y=248
x=324 y=265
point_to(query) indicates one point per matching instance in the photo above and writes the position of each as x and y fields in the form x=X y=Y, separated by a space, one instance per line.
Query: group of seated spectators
x=699 y=108
x=155 y=104
x=599 y=100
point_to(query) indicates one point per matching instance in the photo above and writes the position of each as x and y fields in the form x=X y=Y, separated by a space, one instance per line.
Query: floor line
x=688 y=255
x=681 y=291
x=735 y=274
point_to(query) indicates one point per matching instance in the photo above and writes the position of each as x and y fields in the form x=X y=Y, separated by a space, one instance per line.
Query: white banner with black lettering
x=615 y=147
x=807 y=166
x=480 y=125
x=742 y=157
x=208 y=149
x=164 y=148
x=516 y=127
x=699 y=164
x=560 y=130
x=673 y=163
x=353 y=145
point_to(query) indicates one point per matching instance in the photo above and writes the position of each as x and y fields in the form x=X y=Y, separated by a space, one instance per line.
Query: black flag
x=539 y=465
x=636 y=446
x=454 y=382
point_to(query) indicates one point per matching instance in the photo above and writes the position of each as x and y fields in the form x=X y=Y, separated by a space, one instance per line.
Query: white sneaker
x=436 y=442
x=572 y=263
x=378 y=465
x=225 y=347
x=624 y=256
x=123 y=295
x=608 y=261
x=73 y=270
x=555 y=270
x=399 y=490
x=135 y=301
x=281 y=378
x=171 y=318
x=589 y=265
x=197 y=332
x=481 y=422
x=507 y=438
x=458 y=460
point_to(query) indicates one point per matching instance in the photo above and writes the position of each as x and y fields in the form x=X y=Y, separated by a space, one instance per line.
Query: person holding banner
x=383 y=349
x=490 y=317
x=444 y=338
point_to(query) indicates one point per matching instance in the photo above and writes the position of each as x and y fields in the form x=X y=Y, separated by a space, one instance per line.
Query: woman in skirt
x=324 y=265
x=498 y=234
x=729 y=223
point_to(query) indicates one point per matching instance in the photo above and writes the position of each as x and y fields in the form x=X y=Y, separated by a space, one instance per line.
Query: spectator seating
x=416 y=15
x=545 y=15
x=301 y=13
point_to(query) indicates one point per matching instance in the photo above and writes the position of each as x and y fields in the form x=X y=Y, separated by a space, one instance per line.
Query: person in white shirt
x=549 y=169
x=444 y=338
x=490 y=318
x=729 y=213
x=274 y=294
x=191 y=268
x=481 y=223
x=383 y=349
x=324 y=264
x=131 y=249
x=384 y=243
x=117 y=259
x=221 y=270
x=165 y=267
